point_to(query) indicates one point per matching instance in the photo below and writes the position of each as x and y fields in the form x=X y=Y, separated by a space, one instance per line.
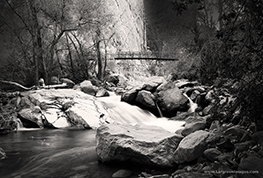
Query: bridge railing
x=145 y=55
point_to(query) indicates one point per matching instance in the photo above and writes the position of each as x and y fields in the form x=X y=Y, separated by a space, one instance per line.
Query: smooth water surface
x=52 y=153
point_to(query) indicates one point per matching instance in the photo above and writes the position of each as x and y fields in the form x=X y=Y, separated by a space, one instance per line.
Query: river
x=56 y=153
x=70 y=153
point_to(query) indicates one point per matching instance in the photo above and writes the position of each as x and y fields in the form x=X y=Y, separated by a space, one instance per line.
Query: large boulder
x=193 y=146
x=146 y=100
x=130 y=95
x=146 y=145
x=170 y=99
x=87 y=113
x=87 y=87
x=63 y=108
x=31 y=117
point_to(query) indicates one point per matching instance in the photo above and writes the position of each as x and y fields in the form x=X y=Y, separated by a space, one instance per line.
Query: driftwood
x=14 y=86
x=8 y=85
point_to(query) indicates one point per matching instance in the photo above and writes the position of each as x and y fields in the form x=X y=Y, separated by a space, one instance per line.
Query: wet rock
x=170 y=99
x=251 y=166
x=122 y=173
x=145 y=145
x=192 y=146
x=212 y=154
x=146 y=99
x=87 y=87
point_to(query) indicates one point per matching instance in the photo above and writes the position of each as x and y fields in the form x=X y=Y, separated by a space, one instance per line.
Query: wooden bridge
x=145 y=55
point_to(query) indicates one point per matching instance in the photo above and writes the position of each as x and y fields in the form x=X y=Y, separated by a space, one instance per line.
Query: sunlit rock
x=87 y=113
x=146 y=145
x=55 y=118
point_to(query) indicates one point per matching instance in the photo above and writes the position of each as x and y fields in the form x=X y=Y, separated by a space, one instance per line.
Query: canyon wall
x=128 y=24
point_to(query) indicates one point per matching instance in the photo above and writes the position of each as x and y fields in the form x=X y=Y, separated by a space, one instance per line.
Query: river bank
x=207 y=143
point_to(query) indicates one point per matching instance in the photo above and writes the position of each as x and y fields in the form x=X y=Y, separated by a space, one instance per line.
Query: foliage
x=234 y=52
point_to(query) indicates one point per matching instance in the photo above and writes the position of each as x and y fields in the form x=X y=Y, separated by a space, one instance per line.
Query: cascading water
x=70 y=152
x=124 y=113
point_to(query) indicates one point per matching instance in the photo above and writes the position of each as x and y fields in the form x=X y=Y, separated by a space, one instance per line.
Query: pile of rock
x=210 y=145
x=53 y=108
x=215 y=150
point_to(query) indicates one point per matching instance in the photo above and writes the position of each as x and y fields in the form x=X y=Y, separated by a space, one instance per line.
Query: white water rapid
x=125 y=113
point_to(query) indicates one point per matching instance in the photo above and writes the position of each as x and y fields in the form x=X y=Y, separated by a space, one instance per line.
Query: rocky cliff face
x=127 y=18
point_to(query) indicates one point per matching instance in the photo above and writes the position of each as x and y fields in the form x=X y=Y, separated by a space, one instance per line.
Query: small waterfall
x=124 y=113
x=19 y=124
x=193 y=105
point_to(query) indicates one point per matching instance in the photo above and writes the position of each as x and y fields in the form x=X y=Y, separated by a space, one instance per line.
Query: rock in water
x=145 y=145
x=170 y=99
x=87 y=87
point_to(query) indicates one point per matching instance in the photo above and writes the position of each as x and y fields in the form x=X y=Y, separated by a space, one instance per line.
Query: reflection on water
x=52 y=153
x=69 y=153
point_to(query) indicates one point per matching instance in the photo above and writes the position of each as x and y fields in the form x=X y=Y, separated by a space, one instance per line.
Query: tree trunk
x=70 y=57
x=99 y=60
x=37 y=43
x=220 y=12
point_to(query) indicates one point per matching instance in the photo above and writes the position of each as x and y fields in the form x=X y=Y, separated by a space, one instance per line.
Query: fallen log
x=13 y=86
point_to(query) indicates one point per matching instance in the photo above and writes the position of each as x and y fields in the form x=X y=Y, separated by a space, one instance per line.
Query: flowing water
x=58 y=153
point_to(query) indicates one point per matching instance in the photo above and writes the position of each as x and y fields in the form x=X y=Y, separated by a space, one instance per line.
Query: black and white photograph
x=131 y=88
